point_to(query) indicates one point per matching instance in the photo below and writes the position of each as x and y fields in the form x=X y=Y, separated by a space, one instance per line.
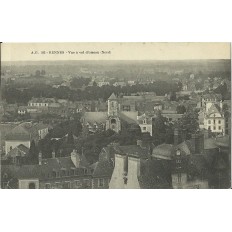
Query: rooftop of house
x=42 y=100
x=20 y=150
x=103 y=168
x=223 y=141
x=164 y=151
x=212 y=96
x=43 y=171
x=214 y=109
x=25 y=131
x=112 y=97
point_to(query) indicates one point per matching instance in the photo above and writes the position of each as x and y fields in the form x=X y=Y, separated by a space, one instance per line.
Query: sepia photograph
x=115 y=116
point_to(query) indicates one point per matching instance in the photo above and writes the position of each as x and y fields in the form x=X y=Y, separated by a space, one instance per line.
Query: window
x=113 y=121
x=219 y=128
x=144 y=121
x=178 y=161
x=10 y=147
x=214 y=121
x=144 y=128
x=85 y=171
x=100 y=182
x=209 y=127
x=209 y=121
x=219 y=121
x=214 y=127
x=48 y=186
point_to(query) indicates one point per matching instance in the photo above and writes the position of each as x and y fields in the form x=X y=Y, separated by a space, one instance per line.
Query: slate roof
x=103 y=168
x=164 y=151
x=130 y=116
x=42 y=171
x=186 y=147
x=214 y=109
x=20 y=150
x=25 y=131
x=210 y=143
x=223 y=141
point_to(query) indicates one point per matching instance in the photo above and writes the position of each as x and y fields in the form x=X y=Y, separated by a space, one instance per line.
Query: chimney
x=40 y=158
x=75 y=157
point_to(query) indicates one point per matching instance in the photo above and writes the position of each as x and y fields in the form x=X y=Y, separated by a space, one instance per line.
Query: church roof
x=112 y=97
x=98 y=117
x=130 y=116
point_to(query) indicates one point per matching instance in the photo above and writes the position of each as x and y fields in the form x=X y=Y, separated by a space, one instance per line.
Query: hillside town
x=95 y=127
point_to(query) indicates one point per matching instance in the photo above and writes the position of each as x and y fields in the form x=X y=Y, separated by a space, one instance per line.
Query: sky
x=114 y=51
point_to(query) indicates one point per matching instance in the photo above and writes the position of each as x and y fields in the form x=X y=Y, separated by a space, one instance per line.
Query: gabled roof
x=186 y=147
x=214 y=109
x=20 y=150
x=103 y=168
x=112 y=97
x=40 y=171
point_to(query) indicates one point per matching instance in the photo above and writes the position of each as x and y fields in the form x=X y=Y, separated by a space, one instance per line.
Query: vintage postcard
x=115 y=116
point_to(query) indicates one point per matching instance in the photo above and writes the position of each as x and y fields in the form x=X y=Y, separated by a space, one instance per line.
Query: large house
x=211 y=116
x=23 y=134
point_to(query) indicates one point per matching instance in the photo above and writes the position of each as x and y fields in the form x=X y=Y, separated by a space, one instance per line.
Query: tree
x=70 y=139
x=189 y=123
x=33 y=153
x=43 y=72
x=180 y=109
x=159 y=127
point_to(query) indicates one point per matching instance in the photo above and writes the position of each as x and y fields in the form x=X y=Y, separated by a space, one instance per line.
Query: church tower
x=113 y=121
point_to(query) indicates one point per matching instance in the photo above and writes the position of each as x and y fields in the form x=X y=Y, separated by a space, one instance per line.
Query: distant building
x=212 y=114
x=111 y=119
x=145 y=123
x=41 y=102
x=58 y=172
